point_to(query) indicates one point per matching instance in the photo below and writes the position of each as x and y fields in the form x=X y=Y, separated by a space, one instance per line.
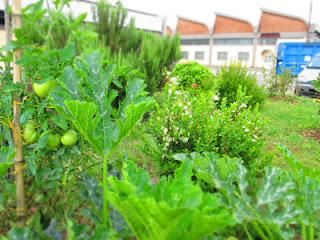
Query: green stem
x=106 y=214
x=247 y=231
x=259 y=231
x=269 y=232
x=311 y=231
x=304 y=232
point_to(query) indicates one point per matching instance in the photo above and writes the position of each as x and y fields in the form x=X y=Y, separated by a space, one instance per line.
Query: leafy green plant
x=278 y=83
x=186 y=122
x=282 y=206
x=193 y=74
x=150 y=53
x=155 y=55
x=174 y=208
x=110 y=23
x=230 y=78
x=54 y=29
x=86 y=98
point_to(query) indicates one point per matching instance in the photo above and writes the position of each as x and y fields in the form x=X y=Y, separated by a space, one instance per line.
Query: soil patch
x=312 y=133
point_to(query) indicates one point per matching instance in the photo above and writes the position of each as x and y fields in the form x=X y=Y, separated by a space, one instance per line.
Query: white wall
x=2 y=37
x=192 y=49
x=259 y=58
x=281 y=40
x=233 y=51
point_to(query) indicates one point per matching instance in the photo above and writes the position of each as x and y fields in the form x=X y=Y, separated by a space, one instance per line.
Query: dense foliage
x=230 y=78
x=193 y=74
x=85 y=91
x=278 y=83
x=196 y=121
x=148 y=52
x=280 y=201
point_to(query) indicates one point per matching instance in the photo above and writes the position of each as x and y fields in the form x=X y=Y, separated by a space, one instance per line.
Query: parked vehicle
x=304 y=85
x=295 y=56
x=303 y=61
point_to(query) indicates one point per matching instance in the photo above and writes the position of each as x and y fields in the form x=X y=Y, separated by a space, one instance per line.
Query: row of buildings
x=229 y=39
x=234 y=39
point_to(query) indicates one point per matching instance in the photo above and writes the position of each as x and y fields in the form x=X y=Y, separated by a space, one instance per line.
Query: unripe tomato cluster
x=30 y=136
x=30 y=133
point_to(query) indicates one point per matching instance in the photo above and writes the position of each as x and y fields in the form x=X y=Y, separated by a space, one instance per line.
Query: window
x=222 y=56
x=268 y=41
x=1 y=18
x=233 y=41
x=199 y=55
x=243 y=56
x=195 y=41
x=315 y=62
x=185 y=55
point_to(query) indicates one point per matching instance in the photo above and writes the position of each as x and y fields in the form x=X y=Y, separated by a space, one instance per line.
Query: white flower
x=165 y=130
x=254 y=140
x=243 y=105
x=246 y=130
x=174 y=80
x=215 y=98
x=255 y=136
x=185 y=139
x=170 y=91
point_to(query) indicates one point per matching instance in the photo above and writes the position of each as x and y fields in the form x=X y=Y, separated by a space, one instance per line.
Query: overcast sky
x=203 y=10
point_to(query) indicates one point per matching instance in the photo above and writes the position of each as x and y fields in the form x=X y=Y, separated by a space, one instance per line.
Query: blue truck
x=303 y=60
x=295 y=56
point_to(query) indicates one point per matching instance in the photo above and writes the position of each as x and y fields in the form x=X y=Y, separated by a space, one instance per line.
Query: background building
x=233 y=39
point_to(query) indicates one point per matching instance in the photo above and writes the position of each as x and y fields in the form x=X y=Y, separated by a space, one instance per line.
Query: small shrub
x=234 y=76
x=196 y=121
x=193 y=74
x=278 y=83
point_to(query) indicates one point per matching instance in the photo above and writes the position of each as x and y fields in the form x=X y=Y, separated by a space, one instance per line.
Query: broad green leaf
x=172 y=209
x=85 y=117
x=94 y=114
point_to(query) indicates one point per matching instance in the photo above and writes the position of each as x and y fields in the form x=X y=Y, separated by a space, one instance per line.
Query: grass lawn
x=295 y=123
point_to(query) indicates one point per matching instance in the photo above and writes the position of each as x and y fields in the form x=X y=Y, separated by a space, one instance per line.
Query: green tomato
x=43 y=90
x=69 y=138
x=231 y=238
x=30 y=135
x=31 y=124
x=53 y=141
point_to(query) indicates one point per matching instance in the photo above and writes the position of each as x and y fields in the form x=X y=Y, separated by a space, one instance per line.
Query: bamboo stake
x=19 y=162
x=7 y=21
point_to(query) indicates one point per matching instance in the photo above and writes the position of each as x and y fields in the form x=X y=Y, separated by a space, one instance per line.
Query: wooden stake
x=7 y=21
x=19 y=161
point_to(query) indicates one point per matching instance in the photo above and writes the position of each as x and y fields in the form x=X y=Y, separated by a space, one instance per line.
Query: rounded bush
x=193 y=75
x=236 y=76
